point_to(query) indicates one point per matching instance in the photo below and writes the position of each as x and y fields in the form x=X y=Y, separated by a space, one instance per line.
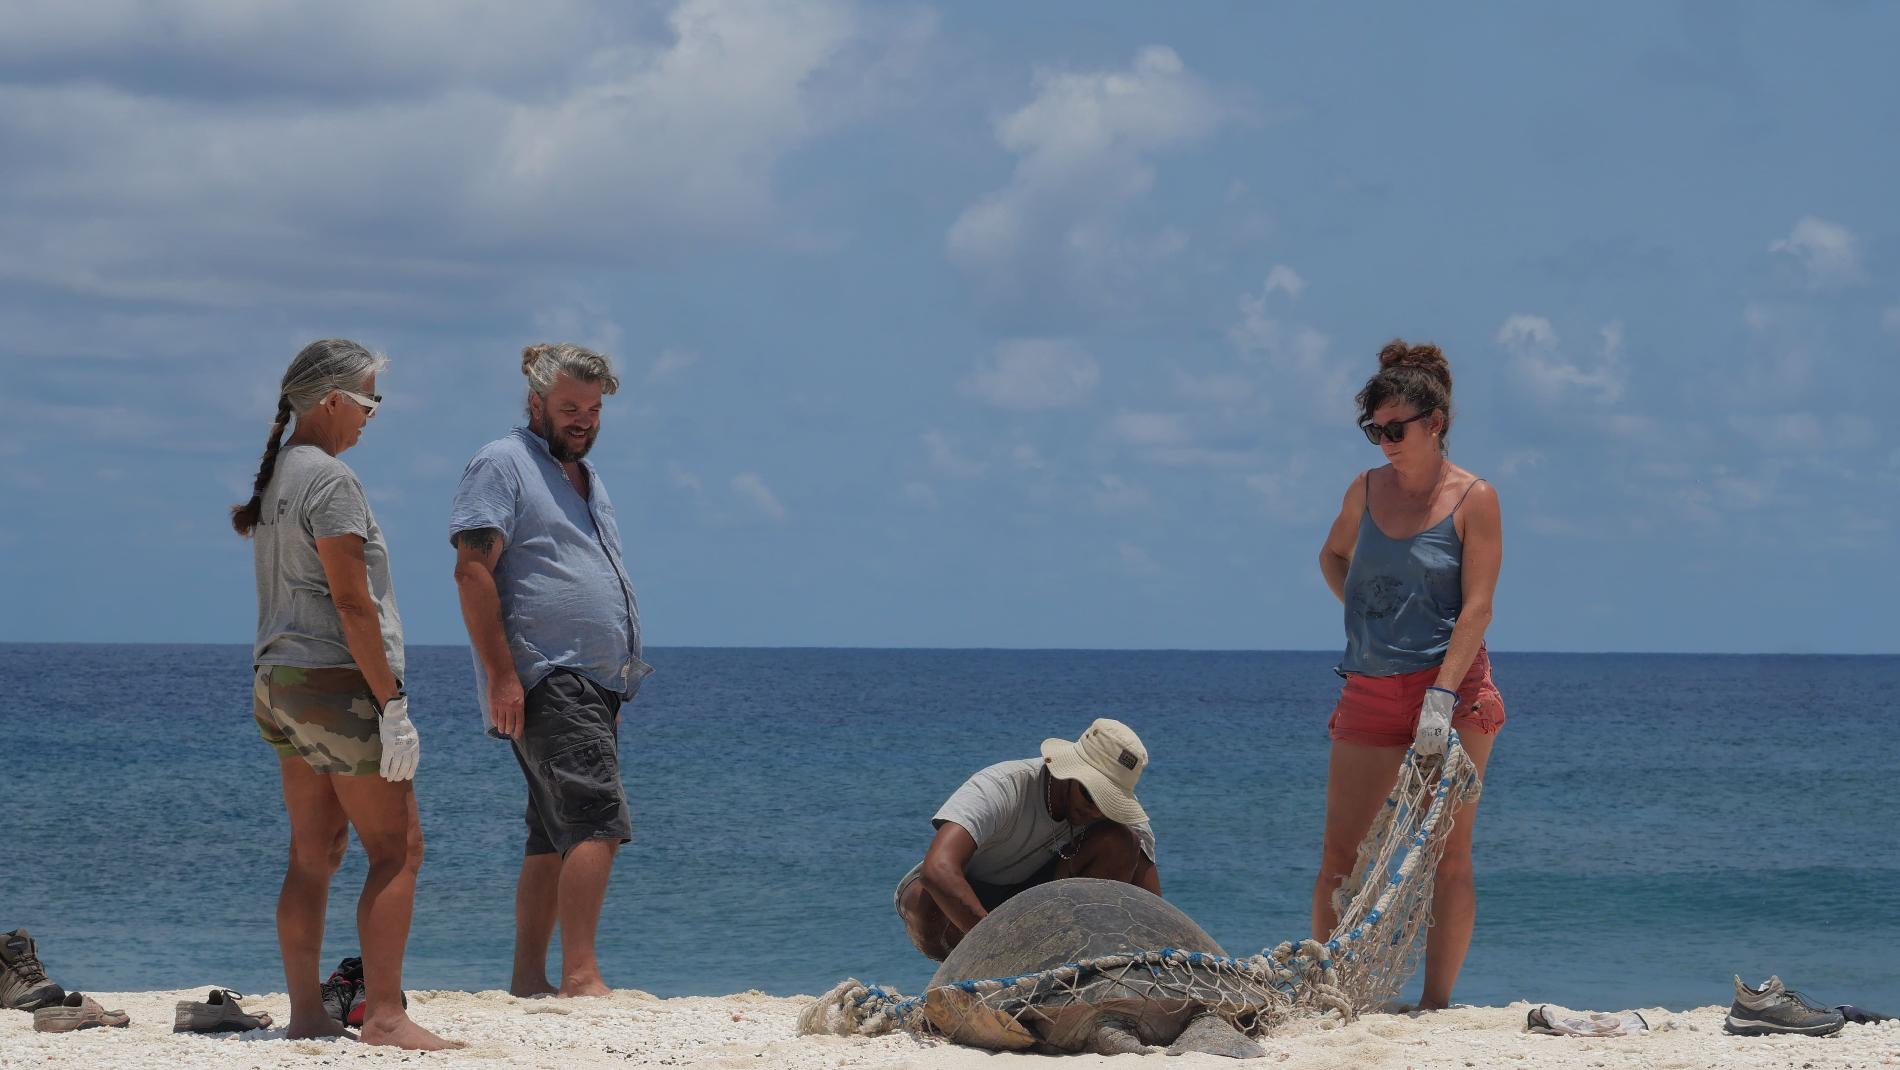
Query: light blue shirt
x=566 y=601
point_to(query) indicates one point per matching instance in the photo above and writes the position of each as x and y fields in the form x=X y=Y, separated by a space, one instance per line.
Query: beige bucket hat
x=1108 y=760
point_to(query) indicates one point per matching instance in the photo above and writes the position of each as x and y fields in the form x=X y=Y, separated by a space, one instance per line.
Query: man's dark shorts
x=569 y=751
x=995 y=895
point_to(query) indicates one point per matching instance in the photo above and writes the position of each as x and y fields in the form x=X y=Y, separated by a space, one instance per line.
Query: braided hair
x=321 y=367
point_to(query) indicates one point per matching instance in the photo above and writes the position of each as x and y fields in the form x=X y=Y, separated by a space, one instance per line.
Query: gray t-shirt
x=312 y=496
x=1003 y=810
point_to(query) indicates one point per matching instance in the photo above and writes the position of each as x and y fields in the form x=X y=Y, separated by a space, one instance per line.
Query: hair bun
x=531 y=354
x=1426 y=357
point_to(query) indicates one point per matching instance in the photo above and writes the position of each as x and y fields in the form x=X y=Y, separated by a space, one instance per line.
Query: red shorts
x=1382 y=711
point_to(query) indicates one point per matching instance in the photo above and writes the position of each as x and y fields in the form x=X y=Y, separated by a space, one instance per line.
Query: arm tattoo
x=480 y=540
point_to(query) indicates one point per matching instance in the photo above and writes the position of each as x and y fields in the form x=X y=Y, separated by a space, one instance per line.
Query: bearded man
x=555 y=630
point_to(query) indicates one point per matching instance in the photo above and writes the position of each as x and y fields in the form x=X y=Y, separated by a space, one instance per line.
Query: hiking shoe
x=77 y=1011
x=342 y=989
x=1774 y=1008
x=23 y=983
x=219 y=1013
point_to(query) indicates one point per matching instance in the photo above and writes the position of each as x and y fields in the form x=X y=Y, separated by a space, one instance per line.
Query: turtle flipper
x=1210 y=1034
x=1115 y=1035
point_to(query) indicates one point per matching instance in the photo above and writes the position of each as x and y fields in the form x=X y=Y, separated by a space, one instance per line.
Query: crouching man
x=1017 y=824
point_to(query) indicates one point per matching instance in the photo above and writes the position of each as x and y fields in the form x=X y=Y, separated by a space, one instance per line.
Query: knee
x=1454 y=870
x=911 y=903
x=1337 y=859
x=398 y=851
x=319 y=855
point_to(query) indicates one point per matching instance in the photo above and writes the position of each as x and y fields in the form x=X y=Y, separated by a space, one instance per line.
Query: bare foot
x=530 y=989
x=594 y=987
x=404 y=1033
x=318 y=1027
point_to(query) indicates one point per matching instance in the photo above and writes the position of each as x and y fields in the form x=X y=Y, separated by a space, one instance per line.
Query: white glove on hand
x=402 y=747
x=1434 y=722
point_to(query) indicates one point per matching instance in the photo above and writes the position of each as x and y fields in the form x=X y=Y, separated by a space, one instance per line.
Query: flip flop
x=77 y=1011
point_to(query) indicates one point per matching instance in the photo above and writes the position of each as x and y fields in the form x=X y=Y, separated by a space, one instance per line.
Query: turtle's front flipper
x=1209 y=1033
x=1115 y=1035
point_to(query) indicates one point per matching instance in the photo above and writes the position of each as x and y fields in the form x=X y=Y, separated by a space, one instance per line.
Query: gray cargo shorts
x=569 y=751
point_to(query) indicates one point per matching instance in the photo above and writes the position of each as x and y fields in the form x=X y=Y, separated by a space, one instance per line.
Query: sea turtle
x=1109 y=1012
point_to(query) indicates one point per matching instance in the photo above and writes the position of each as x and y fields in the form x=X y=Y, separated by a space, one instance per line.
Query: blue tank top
x=1402 y=595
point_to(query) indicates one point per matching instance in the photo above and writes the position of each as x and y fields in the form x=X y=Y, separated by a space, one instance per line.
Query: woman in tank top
x=1414 y=556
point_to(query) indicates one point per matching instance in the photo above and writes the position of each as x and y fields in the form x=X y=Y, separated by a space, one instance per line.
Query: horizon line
x=1047 y=649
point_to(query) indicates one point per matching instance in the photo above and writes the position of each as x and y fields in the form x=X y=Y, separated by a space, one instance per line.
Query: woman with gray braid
x=328 y=690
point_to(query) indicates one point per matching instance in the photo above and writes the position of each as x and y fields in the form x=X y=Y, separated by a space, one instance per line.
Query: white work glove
x=402 y=747
x=1434 y=722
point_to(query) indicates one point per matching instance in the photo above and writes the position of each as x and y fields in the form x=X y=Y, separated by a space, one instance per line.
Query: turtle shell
x=1062 y=922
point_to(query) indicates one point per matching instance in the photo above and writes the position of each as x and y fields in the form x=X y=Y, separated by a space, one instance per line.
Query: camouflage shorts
x=327 y=716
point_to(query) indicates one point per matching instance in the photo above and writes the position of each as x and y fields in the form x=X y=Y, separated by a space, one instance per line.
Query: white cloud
x=670 y=363
x=1036 y=373
x=1891 y=320
x=1791 y=430
x=1283 y=490
x=1150 y=428
x=1517 y=461
x=1803 y=431
x=945 y=458
x=920 y=495
x=1272 y=488
x=1218 y=388
x=191 y=46
x=1113 y=494
x=1829 y=253
x=1136 y=560
x=1285 y=280
x=584 y=322
x=1085 y=147
x=752 y=488
x=1027 y=457
x=1204 y=457
x=678 y=476
x=1298 y=357
x=240 y=188
x=1538 y=359
x=1289 y=347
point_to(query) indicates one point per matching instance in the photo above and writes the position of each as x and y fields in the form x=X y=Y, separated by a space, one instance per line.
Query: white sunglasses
x=368 y=401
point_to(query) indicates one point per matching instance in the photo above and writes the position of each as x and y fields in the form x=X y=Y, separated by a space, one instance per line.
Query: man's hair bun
x=532 y=354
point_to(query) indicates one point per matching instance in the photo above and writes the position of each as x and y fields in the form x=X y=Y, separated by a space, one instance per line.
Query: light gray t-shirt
x=312 y=496
x=1003 y=810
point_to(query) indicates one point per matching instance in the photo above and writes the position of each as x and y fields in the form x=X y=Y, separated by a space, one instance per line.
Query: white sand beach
x=632 y=1029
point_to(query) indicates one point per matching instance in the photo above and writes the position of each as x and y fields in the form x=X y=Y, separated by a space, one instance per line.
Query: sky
x=975 y=324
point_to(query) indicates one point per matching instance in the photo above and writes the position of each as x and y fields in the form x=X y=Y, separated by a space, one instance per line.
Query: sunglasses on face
x=1391 y=430
x=368 y=401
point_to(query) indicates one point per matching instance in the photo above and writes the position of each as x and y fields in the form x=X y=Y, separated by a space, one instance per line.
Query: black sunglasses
x=1391 y=430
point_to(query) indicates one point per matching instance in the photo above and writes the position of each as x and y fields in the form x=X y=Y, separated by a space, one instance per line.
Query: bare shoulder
x=1478 y=491
x=1356 y=490
x=1478 y=504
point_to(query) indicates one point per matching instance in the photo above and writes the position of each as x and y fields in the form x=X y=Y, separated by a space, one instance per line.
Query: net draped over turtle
x=1384 y=909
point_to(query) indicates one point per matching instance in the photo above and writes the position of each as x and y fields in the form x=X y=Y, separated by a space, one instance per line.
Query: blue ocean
x=1651 y=825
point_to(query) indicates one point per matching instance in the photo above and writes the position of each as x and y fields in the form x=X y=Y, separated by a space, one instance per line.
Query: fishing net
x=1384 y=909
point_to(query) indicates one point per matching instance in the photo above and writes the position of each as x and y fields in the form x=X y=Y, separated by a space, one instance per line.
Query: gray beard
x=557 y=444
